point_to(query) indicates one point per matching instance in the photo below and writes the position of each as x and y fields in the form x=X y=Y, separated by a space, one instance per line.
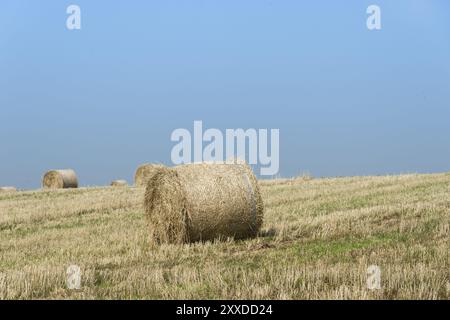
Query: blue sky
x=103 y=99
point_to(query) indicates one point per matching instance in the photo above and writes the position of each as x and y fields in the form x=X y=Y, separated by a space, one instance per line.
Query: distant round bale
x=199 y=202
x=60 y=179
x=145 y=172
x=119 y=183
x=7 y=189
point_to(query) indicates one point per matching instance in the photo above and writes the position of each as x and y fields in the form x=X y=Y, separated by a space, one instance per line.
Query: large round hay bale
x=7 y=189
x=144 y=173
x=198 y=202
x=119 y=183
x=60 y=179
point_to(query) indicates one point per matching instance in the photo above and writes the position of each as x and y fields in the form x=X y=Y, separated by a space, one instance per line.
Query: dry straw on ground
x=7 y=189
x=119 y=183
x=60 y=179
x=144 y=173
x=199 y=202
x=317 y=241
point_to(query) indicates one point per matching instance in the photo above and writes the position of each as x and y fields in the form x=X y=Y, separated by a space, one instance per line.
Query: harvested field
x=318 y=239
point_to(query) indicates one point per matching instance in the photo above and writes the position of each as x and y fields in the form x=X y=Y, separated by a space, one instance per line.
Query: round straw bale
x=119 y=183
x=7 y=189
x=198 y=202
x=60 y=179
x=144 y=173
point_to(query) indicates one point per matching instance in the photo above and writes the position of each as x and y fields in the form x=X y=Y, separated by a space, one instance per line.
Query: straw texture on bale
x=199 y=202
x=60 y=179
x=119 y=183
x=144 y=173
x=7 y=189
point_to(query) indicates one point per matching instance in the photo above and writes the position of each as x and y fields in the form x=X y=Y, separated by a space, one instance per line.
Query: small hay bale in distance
x=7 y=189
x=119 y=183
x=199 y=202
x=60 y=179
x=145 y=172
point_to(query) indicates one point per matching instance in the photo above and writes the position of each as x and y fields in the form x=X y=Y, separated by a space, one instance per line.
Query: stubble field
x=318 y=239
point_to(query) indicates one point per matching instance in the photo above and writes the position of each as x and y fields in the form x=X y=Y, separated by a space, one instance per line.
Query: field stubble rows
x=318 y=239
